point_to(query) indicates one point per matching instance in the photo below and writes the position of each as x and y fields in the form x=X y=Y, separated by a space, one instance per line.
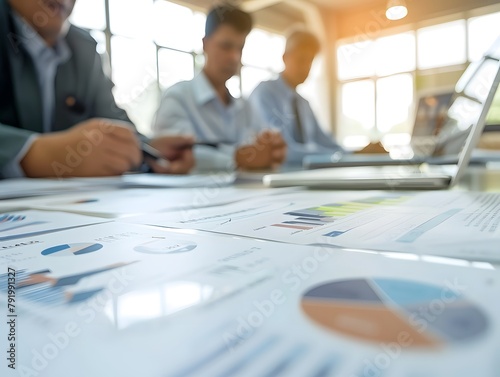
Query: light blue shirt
x=194 y=108
x=274 y=101
x=46 y=61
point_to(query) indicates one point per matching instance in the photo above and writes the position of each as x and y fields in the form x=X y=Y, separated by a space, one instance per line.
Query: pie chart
x=72 y=249
x=383 y=310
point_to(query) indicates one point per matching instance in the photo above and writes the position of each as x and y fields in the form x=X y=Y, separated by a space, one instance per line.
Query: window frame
x=417 y=73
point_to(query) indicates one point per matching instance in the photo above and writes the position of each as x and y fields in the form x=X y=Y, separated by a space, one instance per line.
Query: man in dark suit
x=58 y=116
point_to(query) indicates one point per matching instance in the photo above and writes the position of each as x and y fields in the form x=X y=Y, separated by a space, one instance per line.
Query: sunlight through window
x=482 y=33
x=173 y=25
x=356 y=60
x=394 y=103
x=131 y=18
x=395 y=54
x=253 y=77
x=174 y=66
x=89 y=14
x=441 y=45
x=358 y=112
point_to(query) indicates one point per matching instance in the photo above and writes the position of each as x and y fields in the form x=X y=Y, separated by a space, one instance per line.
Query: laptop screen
x=467 y=105
x=468 y=112
x=431 y=114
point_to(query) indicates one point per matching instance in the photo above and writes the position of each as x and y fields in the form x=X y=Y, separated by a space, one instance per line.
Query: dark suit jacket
x=20 y=100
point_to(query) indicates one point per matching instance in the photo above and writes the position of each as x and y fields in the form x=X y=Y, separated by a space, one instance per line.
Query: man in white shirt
x=203 y=107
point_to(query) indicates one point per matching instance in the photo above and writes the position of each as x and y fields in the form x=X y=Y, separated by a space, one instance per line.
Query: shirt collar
x=204 y=91
x=286 y=90
x=34 y=43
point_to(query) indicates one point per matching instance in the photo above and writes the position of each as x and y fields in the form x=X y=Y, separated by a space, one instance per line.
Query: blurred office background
x=363 y=86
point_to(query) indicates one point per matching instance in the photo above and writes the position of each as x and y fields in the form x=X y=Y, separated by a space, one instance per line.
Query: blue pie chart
x=72 y=249
x=380 y=310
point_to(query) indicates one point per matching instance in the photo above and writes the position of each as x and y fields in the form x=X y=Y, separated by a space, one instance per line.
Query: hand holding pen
x=156 y=156
x=169 y=154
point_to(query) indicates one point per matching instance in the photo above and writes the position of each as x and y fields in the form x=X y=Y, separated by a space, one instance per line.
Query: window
x=253 y=77
x=130 y=18
x=395 y=54
x=264 y=50
x=262 y=59
x=136 y=79
x=358 y=112
x=378 y=94
x=175 y=26
x=174 y=66
x=315 y=91
x=155 y=44
x=482 y=33
x=378 y=78
x=89 y=14
x=355 y=60
x=442 y=45
x=394 y=102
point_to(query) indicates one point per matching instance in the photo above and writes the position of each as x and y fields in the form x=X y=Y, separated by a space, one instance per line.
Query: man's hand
x=97 y=147
x=177 y=150
x=268 y=151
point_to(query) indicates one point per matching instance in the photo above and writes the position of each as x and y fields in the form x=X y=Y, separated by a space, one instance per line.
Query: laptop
x=429 y=144
x=466 y=120
x=430 y=116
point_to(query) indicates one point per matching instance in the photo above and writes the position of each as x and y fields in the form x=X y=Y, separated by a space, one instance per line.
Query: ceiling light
x=396 y=10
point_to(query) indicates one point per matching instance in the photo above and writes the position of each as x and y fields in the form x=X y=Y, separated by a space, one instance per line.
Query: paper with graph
x=284 y=310
x=16 y=224
x=453 y=224
x=117 y=203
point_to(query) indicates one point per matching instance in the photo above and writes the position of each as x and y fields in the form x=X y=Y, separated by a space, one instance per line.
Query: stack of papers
x=451 y=224
x=116 y=203
x=26 y=187
x=222 y=281
x=166 y=303
x=20 y=224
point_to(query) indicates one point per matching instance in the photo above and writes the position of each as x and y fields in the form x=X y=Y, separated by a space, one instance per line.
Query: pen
x=155 y=155
x=205 y=144
x=152 y=153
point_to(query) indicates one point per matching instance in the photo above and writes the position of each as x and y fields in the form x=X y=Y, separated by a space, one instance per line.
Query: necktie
x=298 y=131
